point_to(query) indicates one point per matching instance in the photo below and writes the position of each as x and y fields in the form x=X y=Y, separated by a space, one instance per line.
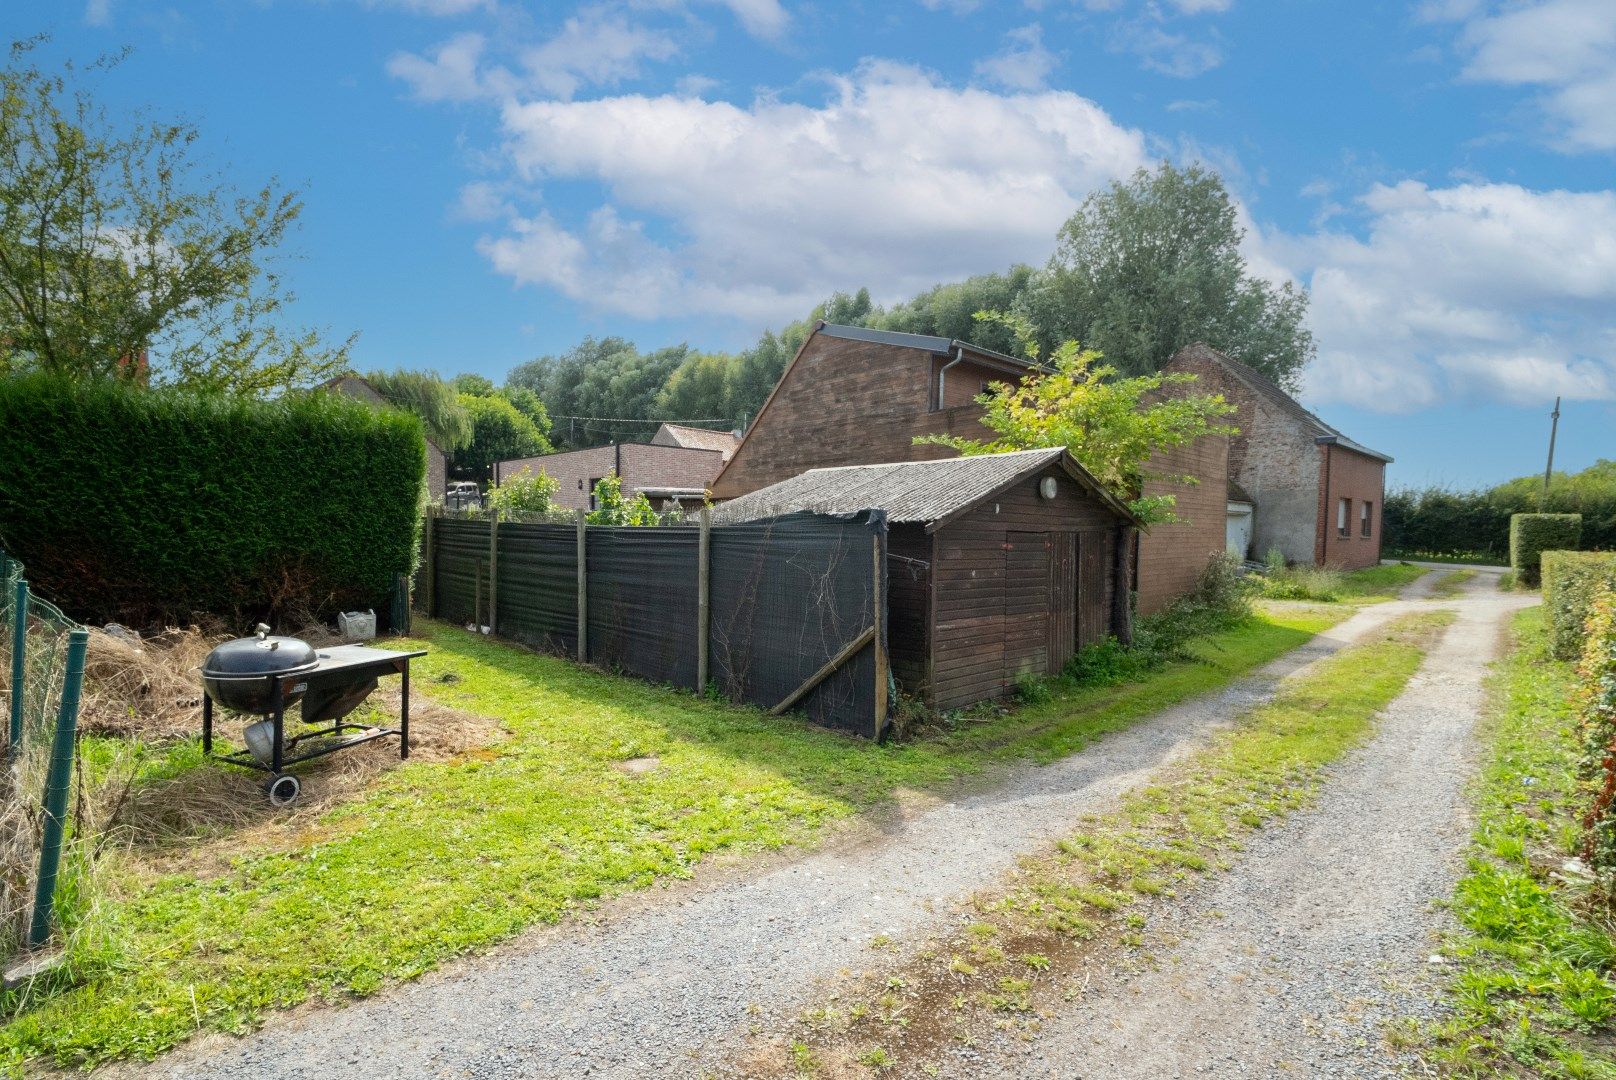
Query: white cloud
x=896 y=180
x=450 y=74
x=761 y=18
x=98 y=12
x=1199 y=7
x=1565 y=47
x=1024 y=63
x=593 y=48
x=1164 y=51
x=1474 y=290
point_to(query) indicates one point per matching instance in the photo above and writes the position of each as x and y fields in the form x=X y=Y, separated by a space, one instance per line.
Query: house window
x=1365 y=516
x=593 y=480
x=1343 y=514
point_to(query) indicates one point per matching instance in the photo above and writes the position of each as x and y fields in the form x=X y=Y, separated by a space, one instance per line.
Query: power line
x=635 y=420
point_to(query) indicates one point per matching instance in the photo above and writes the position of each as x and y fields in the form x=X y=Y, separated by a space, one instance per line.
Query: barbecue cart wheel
x=283 y=790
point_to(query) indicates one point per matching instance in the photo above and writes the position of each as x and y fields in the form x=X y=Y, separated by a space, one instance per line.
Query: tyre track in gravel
x=645 y=988
x=1294 y=963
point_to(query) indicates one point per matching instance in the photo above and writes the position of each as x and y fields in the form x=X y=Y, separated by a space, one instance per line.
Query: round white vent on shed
x=1047 y=487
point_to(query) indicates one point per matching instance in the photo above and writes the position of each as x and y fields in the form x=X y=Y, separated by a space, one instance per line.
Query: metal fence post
x=703 y=608
x=583 y=587
x=57 y=781
x=493 y=571
x=19 y=653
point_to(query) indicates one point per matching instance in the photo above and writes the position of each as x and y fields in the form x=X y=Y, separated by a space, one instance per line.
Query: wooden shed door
x=1026 y=605
x=1063 y=599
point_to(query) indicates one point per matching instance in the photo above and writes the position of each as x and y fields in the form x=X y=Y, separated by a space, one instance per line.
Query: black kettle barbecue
x=264 y=675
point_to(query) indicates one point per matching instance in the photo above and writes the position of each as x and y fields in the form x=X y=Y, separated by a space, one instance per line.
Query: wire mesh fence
x=41 y=665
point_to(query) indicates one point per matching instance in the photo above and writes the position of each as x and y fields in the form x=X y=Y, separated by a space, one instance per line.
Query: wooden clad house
x=999 y=566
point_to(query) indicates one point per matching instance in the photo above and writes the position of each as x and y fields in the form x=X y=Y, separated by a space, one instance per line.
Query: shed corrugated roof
x=909 y=491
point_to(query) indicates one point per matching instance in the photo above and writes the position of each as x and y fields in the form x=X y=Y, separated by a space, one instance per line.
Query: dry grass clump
x=145 y=687
x=214 y=801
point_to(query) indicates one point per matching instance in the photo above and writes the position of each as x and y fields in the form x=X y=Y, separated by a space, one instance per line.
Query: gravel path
x=1293 y=964
x=640 y=991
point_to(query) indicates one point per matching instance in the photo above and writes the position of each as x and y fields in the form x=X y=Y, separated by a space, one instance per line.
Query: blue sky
x=488 y=180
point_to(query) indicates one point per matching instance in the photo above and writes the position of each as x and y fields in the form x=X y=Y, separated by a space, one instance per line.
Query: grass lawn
x=436 y=860
x=1090 y=891
x=1475 y=558
x=1532 y=990
x=1377 y=584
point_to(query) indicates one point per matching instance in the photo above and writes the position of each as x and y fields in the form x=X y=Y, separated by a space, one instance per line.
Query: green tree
x=119 y=258
x=476 y=385
x=612 y=507
x=425 y=394
x=526 y=492
x=1111 y=424
x=1149 y=266
x=950 y=310
x=498 y=433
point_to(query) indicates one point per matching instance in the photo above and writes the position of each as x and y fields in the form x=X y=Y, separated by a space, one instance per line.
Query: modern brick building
x=1295 y=484
x=854 y=396
x=669 y=476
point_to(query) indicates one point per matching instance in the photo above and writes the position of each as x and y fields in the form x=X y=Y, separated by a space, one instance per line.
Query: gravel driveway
x=1293 y=964
x=660 y=977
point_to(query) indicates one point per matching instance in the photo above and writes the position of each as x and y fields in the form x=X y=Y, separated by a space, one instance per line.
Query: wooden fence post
x=583 y=587
x=703 y=609
x=493 y=570
x=877 y=589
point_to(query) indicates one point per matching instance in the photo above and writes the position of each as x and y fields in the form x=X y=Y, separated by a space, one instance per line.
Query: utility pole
x=1554 y=429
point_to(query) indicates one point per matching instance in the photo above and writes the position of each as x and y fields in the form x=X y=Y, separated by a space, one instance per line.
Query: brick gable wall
x=1346 y=474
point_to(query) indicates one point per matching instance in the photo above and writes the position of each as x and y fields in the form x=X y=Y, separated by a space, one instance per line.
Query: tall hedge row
x=1530 y=535
x=1595 y=705
x=1437 y=520
x=1571 y=580
x=144 y=506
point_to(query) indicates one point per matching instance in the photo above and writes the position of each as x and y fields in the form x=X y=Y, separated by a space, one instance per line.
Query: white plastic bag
x=357 y=625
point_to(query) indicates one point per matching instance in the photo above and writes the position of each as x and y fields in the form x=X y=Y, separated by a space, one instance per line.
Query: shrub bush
x=142 y=506
x=1530 y=535
x=1570 y=581
x=1303 y=582
x=527 y=492
x=1221 y=599
x=1596 y=723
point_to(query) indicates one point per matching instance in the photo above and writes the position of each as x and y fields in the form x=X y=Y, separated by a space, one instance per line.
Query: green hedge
x=147 y=506
x=1570 y=580
x=1595 y=705
x=1530 y=535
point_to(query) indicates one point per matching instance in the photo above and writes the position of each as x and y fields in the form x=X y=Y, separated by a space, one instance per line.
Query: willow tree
x=121 y=259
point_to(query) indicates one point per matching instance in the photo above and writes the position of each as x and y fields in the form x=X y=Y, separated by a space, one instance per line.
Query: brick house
x=854 y=396
x=437 y=462
x=695 y=438
x=669 y=476
x=1295 y=483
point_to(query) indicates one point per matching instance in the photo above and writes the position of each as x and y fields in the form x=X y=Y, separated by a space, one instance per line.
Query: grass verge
x=439 y=859
x=1094 y=888
x=1323 y=584
x=1532 y=992
x=1451 y=584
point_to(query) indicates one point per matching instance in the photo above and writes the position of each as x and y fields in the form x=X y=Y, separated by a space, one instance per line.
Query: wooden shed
x=998 y=566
